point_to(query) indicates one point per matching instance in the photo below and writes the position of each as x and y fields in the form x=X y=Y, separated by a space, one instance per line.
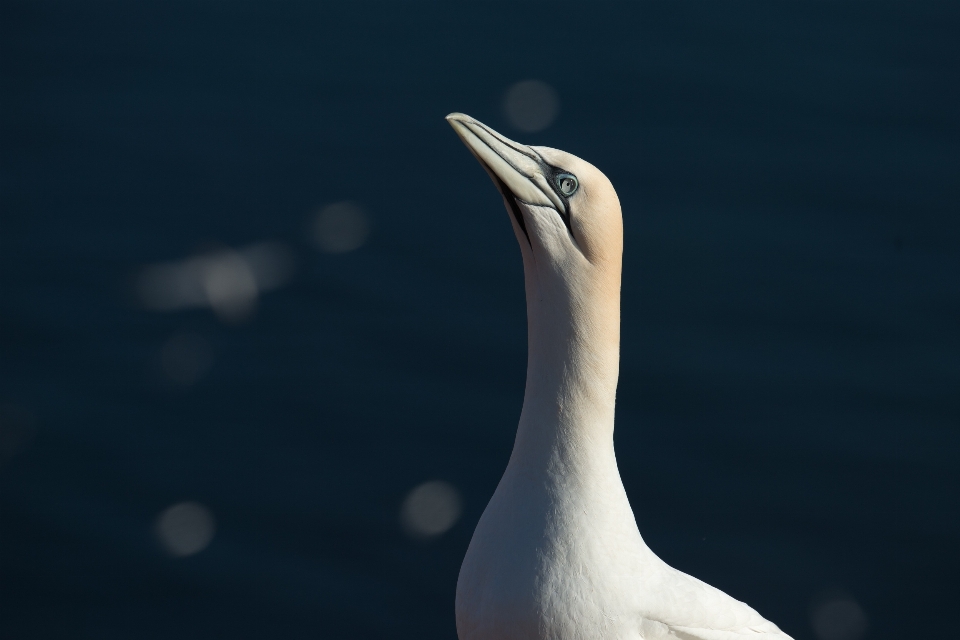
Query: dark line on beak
x=527 y=151
x=512 y=202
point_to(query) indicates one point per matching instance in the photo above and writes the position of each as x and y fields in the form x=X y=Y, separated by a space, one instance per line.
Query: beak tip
x=458 y=117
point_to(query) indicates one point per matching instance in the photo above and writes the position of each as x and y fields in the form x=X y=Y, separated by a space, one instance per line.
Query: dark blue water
x=789 y=406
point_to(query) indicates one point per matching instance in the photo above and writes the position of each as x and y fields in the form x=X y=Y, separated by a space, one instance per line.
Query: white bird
x=557 y=553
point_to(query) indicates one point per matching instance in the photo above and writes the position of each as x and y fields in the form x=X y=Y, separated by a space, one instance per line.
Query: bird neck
x=572 y=369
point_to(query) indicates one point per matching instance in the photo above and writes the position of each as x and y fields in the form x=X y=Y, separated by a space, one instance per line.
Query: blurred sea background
x=262 y=318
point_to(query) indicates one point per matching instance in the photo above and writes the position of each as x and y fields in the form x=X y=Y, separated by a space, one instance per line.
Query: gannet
x=557 y=554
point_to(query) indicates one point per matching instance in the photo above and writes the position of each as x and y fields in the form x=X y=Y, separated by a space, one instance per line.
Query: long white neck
x=566 y=425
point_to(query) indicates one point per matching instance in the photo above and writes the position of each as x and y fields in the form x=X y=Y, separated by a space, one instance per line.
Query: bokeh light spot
x=229 y=285
x=430 y=509
x=227 y=281
x=340 y=227
x=531 y=105
x=185 y=528
x=186 y=357
x=837 y=616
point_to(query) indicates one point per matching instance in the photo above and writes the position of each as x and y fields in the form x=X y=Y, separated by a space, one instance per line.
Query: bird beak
x=518 y=170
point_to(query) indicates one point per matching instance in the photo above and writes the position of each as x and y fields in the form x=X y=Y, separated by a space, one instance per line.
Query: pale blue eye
x=567 y=184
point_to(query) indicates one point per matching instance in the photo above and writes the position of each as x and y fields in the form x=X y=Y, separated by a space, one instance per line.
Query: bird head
x=564 y=211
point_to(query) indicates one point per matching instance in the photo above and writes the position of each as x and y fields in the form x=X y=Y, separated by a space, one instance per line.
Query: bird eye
x=567 y=183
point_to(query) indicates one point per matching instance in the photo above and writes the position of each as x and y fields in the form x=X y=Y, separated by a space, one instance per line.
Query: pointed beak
x=518 y=171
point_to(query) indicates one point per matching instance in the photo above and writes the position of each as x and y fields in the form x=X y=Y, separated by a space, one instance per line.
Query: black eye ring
x=567 y=183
